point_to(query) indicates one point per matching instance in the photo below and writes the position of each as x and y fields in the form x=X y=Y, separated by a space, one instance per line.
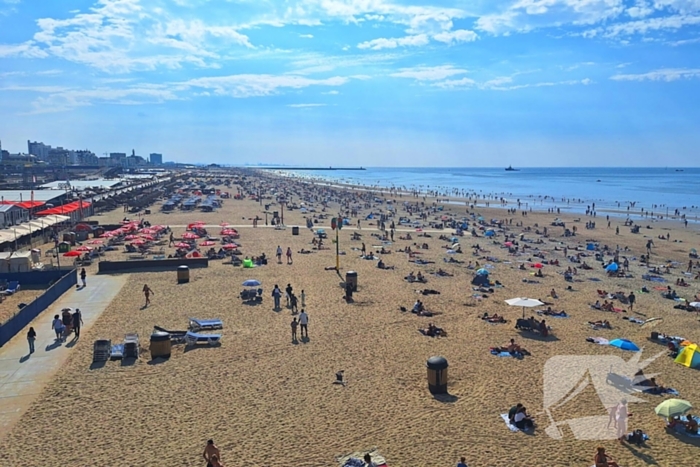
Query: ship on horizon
x=511 y=169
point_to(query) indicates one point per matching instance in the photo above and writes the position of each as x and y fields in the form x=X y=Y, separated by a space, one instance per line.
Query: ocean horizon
x=571 y=189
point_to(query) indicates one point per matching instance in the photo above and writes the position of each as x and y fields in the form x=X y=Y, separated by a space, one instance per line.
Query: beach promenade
x=23 y=376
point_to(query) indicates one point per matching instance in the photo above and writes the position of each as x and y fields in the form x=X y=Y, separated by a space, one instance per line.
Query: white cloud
x=249 y=85
x=644 y=26
x=666 y=74
x=460 y=35
x=435 y=73
x=304 y=106
x=641 y=9
x=27 y=50
x=456 y=83
x=306 y=36
x=331 y=93
x=382 y=43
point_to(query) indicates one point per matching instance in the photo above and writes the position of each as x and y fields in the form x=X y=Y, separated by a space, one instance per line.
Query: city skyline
x=532 y=83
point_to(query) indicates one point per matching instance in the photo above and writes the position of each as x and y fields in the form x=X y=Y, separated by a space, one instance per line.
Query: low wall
x=106 y=267
x=34 y=277
x=25 y=316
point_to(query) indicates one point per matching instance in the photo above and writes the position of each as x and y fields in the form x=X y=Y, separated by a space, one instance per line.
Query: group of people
x=288 y=254
x=62 y=325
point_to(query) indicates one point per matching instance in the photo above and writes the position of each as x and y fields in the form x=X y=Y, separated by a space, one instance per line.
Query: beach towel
x=594 y=279
x=662 y=289
x=510 y=426
x=497 y=353
x=634 y=320
x=552 y=316
x=598 y=340
x=647 y=277
x=657 y=392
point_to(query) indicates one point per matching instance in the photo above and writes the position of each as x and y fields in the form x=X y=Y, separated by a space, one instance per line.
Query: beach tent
x=689 y=356
x=481 y=280
x=248 y=263
x=612 y=267
x=590 y=247
x=490 y=233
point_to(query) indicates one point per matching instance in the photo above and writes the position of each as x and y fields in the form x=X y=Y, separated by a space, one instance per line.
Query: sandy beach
x=268 y=401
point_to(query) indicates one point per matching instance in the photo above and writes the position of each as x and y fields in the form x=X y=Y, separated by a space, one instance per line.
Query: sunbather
x=604 y=324
x=603 y=460
x=495 y=318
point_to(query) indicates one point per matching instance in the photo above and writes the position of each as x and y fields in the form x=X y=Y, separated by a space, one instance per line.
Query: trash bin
x=183 y=274
x=81 y=235
x=351 y=279
x=160 y=345
x=437 y=375
x=654 y=335
x=295 y=230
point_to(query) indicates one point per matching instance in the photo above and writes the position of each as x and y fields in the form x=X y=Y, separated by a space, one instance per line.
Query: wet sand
x=268 y=401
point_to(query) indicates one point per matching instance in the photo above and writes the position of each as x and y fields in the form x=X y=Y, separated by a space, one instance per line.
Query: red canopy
x=25 y=204
x=65 y=209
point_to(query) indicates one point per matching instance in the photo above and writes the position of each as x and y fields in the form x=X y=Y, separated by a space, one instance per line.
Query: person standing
x=289 y=255
x=31 y=337
x=632 y=299
x=462 y=462
x=304 y=322
x=211 y=452
x=295 y=323
x=279 y=254
x=77 y=322
x=277 y=295
x=364 y=249
x=294 y=304
x=303 y=299
x=147 y=293
x=290 y=292
x=83 y=274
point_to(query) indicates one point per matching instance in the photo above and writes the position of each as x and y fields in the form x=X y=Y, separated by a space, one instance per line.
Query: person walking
x=57 y=326
x=279 y=254
x=304 y=322
x=632 y=299
x=302 y=296
x=277 y=295
x=289 y=255
x=364 y=249
x=290 y=292
x=77 y=322
x=31 y=338
x=83 y=274
x=295 y=323
x=294 y=304
x=211 y=452
x=147 y=293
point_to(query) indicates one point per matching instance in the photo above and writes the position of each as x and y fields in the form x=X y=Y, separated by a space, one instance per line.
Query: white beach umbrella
x=524 y=302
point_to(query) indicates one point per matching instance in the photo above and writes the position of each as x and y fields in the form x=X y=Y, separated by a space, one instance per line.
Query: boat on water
x=511 y=169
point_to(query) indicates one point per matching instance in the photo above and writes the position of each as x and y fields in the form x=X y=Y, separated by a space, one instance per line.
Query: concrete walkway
x=23 y=376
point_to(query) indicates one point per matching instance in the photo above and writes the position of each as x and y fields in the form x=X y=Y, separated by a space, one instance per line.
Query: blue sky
x=357 y=82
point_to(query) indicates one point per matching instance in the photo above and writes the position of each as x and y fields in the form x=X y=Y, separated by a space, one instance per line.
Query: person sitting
x=691 y=426
x=417 y=307
x=539 y=273
x=513 y=348
x=522 y=420
x=607 y=306
x=637 y=437
x=411 y=277
x=603 y=460
x=544 y=331
x=673 y=422
x=420 y=277
x=513 y=410
x=553 y=294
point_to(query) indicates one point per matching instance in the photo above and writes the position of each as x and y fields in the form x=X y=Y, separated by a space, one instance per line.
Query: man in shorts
x=210 y=450
x=304 y=322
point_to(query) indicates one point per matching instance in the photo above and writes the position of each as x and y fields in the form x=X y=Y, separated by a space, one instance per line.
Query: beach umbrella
x=538 y=265
x=72 y=253
x=451 y=252
x=207 y=243
x=130 y=237
x=673 y=408
x=190 y=236
x=624 y=344
x=524 y=302
x=182 y=245
x=229 y=246
x=148 y=237
x=612 y=267
x=454 y=239
x=695 y=304
x=482 y=272
x=83 y=248
x=651 y=322
x=223 y=224
x=252 y=283
x=455 y=245
x=95 y=242
x=138 y=241
x=508 y=243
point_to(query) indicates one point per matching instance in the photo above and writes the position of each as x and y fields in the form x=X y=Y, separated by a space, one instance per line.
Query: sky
x=412 y=83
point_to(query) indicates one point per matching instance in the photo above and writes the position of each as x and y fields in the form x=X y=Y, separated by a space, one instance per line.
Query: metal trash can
x=295 y=230
x=654 y=335
x=160 y=345
x=351 y=278
x=437 y=375
x=183 y=274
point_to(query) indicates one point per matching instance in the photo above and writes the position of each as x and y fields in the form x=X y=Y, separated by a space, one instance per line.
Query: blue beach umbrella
x=624 y=344
x=251 y=283
x=490 y=233
x=482 y=272
x=612 y=267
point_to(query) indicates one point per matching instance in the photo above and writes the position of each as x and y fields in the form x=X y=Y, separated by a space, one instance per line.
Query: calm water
x=604 y=186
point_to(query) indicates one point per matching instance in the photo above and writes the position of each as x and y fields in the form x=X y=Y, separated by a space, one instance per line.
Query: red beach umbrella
x=72 y=253
x=207 y=243
x=229 y=246
x=182 y=245
x=190 y=236
x=83 y=248
x=538 y=265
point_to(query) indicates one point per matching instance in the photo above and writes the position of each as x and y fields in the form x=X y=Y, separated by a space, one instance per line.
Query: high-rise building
x=156 y=159
x=40 y=150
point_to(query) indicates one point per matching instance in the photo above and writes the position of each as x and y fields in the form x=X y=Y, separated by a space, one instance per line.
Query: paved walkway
x=23 y=376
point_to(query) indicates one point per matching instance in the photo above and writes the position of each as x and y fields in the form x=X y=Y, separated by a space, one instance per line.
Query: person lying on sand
x=550 y=312
x=495 y=318
x=442 y=273
x=604 y=324
x=381 y=265
x=434 y=331
x=304 y=252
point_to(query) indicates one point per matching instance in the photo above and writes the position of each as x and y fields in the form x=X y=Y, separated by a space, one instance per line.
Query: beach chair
x=197 y=325
x=12 y=287
x=102 y=350
x=131 y=345
x=193 y=338
x=116 y=352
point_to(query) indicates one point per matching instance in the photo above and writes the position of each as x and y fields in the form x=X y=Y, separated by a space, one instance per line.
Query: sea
x=616 y=191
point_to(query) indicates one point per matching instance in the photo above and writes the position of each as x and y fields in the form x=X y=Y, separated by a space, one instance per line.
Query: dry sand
x=267 y=401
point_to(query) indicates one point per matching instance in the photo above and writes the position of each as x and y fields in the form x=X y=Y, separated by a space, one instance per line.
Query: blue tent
x=490 y=233
x=612 y=267
x=371 y=216
x=590 y=247
x=346 y=221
